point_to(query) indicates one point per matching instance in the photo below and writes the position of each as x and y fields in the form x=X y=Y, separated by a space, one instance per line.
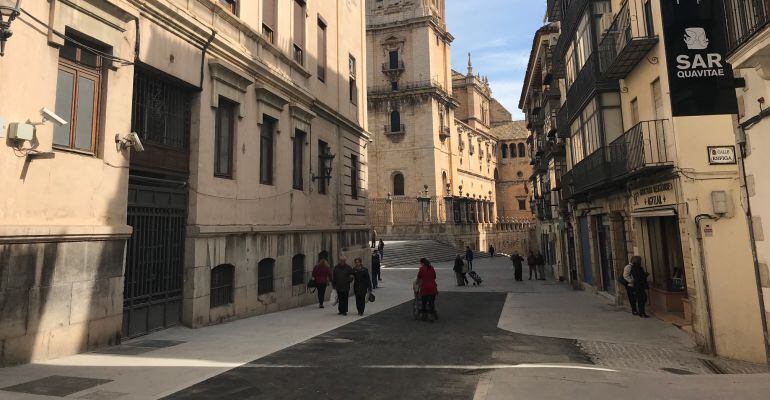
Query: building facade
x=748 y=36
x=252 y=121
x=640 y=176
x=433 y=157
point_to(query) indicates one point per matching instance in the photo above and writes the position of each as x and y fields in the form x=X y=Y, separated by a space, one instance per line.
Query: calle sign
x=701 y=80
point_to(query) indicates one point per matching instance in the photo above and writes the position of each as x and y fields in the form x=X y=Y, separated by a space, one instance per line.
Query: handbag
x=622 y=280
x=311 y=284
x=370 y=297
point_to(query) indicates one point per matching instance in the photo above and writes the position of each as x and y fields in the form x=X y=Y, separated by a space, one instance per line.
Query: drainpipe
x=710 y=343
x=203 y=56
x=137 y=40
x=753 y=243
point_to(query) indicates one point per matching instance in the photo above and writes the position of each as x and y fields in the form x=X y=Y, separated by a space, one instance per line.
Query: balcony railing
x=388 y=67
x=389 y=129
x=592 y=172
x=588 y=82
x=646 y=146
x=628 y=40
x=536 y=120
x=744 y=19
x=427 y=84
x=562 y=122
x=554 y=10
x=567 y=187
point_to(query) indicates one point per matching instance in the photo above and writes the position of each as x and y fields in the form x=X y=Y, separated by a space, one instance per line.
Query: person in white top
x=628 y=283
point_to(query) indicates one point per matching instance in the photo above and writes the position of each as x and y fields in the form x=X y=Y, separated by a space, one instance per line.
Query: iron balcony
x=390 y=131
x=628 y=40
x=745 y=18
x=388 y=67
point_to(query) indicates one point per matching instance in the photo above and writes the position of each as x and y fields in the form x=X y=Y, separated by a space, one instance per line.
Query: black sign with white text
x=701 y=80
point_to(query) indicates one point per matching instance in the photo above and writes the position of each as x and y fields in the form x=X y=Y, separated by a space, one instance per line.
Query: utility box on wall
x=21 y=131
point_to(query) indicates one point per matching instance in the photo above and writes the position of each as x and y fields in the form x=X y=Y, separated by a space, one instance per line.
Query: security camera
x=136 y=143
x=49 y=115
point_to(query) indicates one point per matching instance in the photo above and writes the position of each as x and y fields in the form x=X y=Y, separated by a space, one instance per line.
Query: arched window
x=444 y=181
x=398 y=185
x=513 y=150
x=505 y=151
x=222 y=281
x=395 y=121
x=522 y=150
x=497 y=175
x=265 y=276
x=298 y=270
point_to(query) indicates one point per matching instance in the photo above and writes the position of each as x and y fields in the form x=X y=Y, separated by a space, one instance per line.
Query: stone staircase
x=403 y=253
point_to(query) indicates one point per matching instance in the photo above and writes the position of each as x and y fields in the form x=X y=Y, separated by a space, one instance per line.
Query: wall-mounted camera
x=49 y=115
x=131 y=140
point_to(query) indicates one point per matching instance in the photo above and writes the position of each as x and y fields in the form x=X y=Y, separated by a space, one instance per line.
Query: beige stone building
x=513 y=170
x=433 y=157
x=252 y=117
x=643 y=177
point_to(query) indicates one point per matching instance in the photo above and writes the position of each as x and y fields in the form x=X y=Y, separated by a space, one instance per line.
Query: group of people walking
x=343 y=275
x=536 y=265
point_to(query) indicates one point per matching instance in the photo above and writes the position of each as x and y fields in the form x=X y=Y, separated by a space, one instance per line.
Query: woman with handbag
x=426 y=278
x=322 y=274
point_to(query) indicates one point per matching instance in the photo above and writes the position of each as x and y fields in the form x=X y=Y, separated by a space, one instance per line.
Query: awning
x=665 y=212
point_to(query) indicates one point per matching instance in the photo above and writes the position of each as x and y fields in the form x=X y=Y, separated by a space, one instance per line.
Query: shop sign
x=719 y=155
x=657 y=195
x=701 y=80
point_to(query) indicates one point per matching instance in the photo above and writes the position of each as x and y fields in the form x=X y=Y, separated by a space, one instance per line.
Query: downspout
x=137 y=40
x=203 y=56
x=51 y=20
x=753 y=243
x=710 y=343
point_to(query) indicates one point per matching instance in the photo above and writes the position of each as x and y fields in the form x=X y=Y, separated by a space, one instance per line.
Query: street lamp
x=326 y=171
x=7 y=15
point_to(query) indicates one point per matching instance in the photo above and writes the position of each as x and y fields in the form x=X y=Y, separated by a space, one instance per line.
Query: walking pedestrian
x=428 y=289
x=381 y=249
x=516 y=259
x=627 y=280
x=374 y=238
x=491 y=251
x=640 y=285
x=532 y=263
x=469 y=257
x=341 y=278
x=322 y=275
x=540 y=261
x=458 y=268
x=375 y=269
x=362 y=284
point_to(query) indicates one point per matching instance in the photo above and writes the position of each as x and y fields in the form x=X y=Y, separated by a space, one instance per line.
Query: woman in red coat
x=322 y=274
x=428 y=288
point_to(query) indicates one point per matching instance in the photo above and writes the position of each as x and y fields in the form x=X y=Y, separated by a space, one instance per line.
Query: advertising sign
x=720 y=155
x=651 y=196
x=701 y=80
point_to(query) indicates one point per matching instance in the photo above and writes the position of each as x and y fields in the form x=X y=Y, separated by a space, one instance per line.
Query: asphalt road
x=390 y=355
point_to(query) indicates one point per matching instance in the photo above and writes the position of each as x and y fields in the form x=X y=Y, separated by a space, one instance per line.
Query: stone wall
x=58 y=299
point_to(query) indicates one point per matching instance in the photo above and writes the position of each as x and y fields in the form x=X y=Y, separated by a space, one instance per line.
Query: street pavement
x=500 y=340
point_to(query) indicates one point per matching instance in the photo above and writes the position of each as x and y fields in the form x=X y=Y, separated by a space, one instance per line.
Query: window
x=222 y=282
x=398 y=184
x=395 y=121
x=394 y=86
x=353 y=85
x=393 y=59
x=522 y=204
x=299 y=155
x=586 y=133
x=266 y=135
x=648 y=21
x=224 y=138
x=580 y=50
x=161 y=111
x=78 y=92
x=269 y=18
x=634 y=111
x=230 y=5
x=504 y=148
x=323 y=151
x=522 y=150
x=265 y=270
x=299 y=32
x=321 y=50
x=513 y=150
x=354 y=176
x=298 y=270
x=657 y=99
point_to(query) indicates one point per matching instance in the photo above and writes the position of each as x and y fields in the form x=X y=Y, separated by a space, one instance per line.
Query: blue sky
x=498 y=34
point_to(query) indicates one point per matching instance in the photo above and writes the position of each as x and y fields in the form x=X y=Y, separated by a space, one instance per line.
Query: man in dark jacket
x=362 y=285
x=532 y=262
x=517 y=260
x=640 y=285
x=341 y=278
x=375 y=268
x=540 y=261
x=469 y=257
x=381 y=249
x=458 y=269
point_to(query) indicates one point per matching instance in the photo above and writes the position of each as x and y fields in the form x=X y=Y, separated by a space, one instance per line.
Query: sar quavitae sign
x=701 y=80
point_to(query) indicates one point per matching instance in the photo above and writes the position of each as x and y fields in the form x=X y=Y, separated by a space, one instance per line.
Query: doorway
x=585 y=247
x=605 y=253
x=662 y=257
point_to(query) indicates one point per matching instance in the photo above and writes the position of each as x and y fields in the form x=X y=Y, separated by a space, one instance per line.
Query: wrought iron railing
x=646 y=145
x=408 y=86
x=744 y=19
x=391 y=67
x=593 y=171
x=390 y=130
